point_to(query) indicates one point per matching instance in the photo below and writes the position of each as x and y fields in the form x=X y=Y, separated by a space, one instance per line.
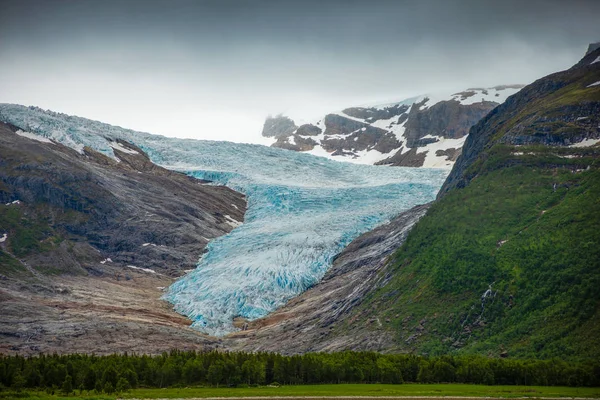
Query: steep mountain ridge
x=558 y=110
x=426 y=131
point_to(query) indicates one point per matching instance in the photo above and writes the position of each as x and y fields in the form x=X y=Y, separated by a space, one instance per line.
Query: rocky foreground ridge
x=427 y=131
x=89 y=242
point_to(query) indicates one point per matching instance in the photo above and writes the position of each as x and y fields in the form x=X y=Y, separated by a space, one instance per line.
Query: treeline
x=122 y=372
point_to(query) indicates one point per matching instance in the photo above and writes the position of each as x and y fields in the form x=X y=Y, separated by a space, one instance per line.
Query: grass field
x=407 y=390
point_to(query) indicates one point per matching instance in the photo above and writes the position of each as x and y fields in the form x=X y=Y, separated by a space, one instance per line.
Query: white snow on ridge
x=232 y=222
x=586 y=143
x=366 y=157
x=596 y=60
x=595 y=83
x=33 y=136
x=141 y=269
x=342 y=114
x=120 y=147
x=434 y=161
x=497 y=94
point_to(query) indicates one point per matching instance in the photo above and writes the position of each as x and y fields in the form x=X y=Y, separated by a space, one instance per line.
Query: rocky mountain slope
x=303 y=210
x=89 y=242
x=427 y=131
x=507 y=260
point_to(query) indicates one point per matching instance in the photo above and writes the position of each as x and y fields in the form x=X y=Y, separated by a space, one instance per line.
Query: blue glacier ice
x=302 y=211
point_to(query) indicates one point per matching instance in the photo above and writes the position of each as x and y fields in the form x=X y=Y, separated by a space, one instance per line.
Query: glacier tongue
x=302 y=210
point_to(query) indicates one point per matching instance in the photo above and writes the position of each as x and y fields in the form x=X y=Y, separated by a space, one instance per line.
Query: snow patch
x=106 y=260
x=16 y=202
x=141 y=269
x=232 y=222
x=434 y=161
x=120 y=147
x=594 y=84
x=586 y=143
x=3 y=238
x=596 y=60
x=497 y=94
x=33 y=136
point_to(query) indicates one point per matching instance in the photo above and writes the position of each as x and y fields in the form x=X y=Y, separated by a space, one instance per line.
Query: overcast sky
x=216 y=69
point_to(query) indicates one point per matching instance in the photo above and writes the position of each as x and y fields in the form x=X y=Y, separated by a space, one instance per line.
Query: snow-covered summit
x=425 y=131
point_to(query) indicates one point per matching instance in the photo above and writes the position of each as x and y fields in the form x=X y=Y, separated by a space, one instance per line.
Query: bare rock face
x=405 y=159
x=318 y=319
x=92 y=240
x=278 y=126
x=346 y=135
x=448 y=119
x=411 y=133
x=295 y=143
x=308 y=130
x=375 y=114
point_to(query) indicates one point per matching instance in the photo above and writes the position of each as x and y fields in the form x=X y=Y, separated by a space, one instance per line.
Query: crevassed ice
x=302 y=211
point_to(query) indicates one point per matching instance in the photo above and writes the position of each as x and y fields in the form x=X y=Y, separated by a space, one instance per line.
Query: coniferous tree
x=18 y=382
x=67 y=386
x=122 y=385
x=109 y=388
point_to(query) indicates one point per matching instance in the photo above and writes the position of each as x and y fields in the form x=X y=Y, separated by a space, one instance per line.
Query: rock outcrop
x=423 y=132
x=278 y=126
x=90 y=241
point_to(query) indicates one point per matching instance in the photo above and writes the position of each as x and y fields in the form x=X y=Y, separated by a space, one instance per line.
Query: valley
x=299 y=253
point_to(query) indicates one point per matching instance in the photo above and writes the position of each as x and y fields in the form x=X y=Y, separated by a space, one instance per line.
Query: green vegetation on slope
x=507 y=261
x=26 y=233
x=528 y=235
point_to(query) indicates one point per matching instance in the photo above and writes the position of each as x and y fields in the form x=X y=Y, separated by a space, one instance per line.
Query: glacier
x=302 y=211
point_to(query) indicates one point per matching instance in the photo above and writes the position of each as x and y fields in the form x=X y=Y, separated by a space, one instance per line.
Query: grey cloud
x=117 y=60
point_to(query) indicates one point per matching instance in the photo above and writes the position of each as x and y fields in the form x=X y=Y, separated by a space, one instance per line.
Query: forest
x=119 y=373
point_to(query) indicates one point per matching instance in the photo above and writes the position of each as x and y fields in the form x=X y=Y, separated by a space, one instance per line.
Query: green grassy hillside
x=507 y=261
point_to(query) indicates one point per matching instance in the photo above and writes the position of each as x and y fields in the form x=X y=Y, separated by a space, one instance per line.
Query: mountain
x=334 y=256
x=302 y=211
x=506 y=262
x=88 y=244
x=427 y=131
